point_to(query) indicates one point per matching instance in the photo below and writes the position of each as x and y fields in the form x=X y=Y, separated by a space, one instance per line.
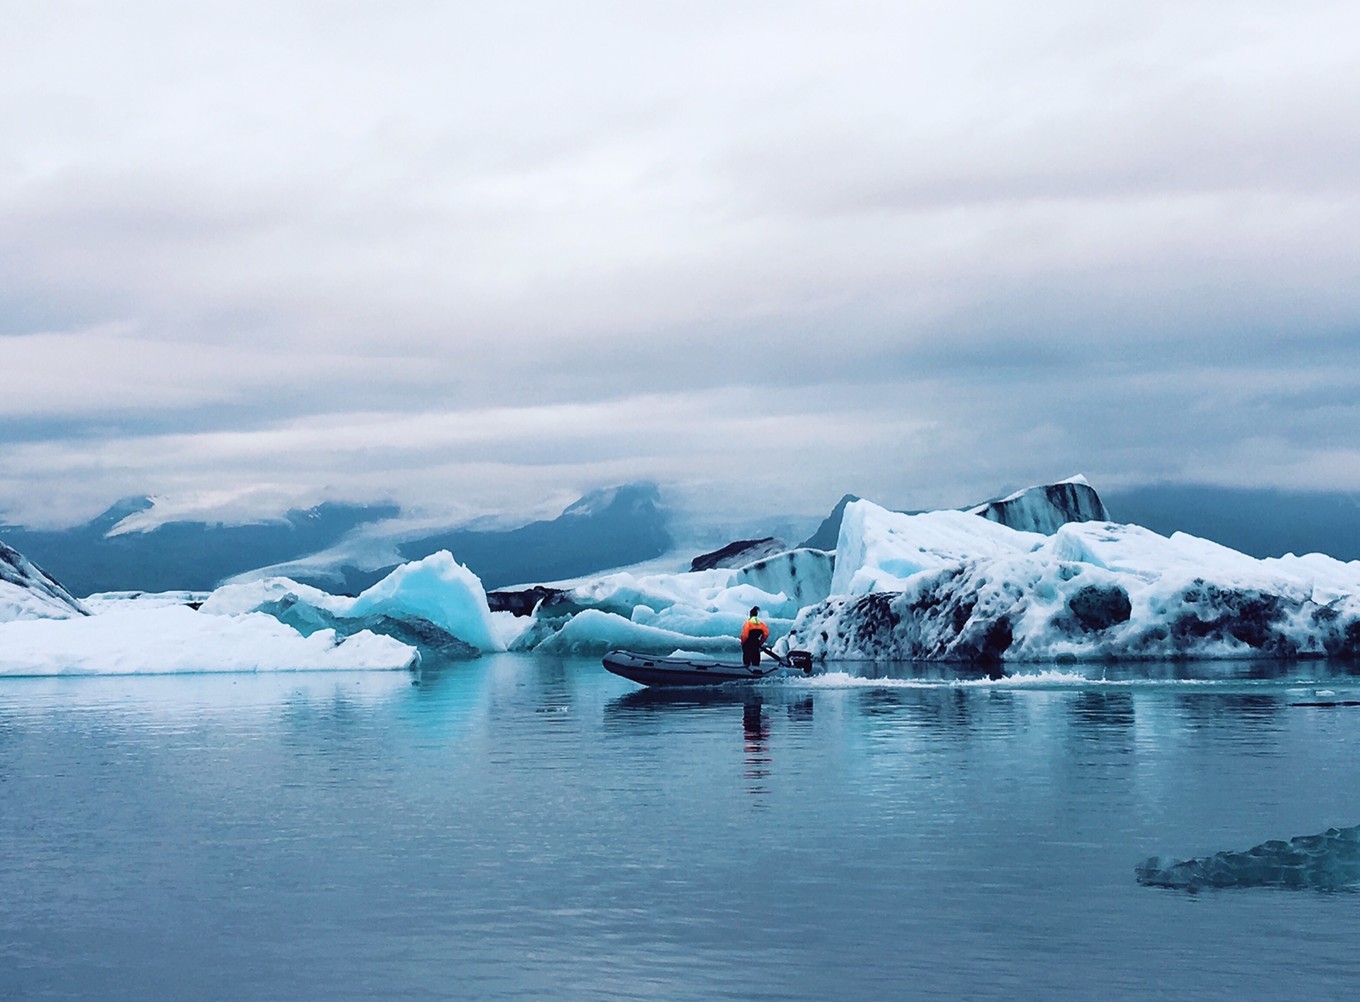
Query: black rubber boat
x=678 y=670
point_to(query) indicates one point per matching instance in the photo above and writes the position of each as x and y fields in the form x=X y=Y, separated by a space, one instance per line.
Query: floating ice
x=435 y=591
x=974 y=585
x=1046 y=508
x=28 y=592
x=950 y=586
x=173 y=639
x=1329 y=861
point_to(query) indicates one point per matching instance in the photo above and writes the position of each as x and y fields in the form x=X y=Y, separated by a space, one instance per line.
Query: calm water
x=524 y=827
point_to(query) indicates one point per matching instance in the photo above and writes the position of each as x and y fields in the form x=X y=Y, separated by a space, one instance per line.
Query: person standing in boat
x=754 y=633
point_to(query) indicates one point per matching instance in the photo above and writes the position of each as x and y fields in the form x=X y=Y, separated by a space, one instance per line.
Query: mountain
x=606 y=528
x=825 y=536
x=612 y=527
x=739 y=553
x=102 y=555
x=1259 y=522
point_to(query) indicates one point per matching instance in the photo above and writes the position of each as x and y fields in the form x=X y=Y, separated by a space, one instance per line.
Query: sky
x=480 y=258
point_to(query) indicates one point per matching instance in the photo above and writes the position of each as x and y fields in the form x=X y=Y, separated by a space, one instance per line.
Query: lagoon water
x=529 y=827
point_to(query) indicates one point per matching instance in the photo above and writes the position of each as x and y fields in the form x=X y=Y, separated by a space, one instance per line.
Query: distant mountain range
x=343 y=548
x=1261 y=523
x=608 y=528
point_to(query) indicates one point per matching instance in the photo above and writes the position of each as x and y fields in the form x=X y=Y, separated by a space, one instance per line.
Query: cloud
x=493 y=253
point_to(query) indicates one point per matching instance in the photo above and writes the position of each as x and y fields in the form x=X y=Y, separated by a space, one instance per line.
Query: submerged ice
x=1327 y=861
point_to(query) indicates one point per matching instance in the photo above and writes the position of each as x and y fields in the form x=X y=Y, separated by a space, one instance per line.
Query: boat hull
x=653 y=670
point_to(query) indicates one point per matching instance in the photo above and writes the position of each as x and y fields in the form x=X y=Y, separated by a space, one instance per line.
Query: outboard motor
x=801 y=660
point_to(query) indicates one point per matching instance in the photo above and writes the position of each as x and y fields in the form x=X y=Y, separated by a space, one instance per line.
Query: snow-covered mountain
x=342 y=547
x=129 y=547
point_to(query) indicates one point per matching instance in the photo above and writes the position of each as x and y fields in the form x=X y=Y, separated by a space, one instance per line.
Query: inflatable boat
x=688 y=669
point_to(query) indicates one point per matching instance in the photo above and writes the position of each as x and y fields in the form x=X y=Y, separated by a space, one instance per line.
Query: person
x=754 y=633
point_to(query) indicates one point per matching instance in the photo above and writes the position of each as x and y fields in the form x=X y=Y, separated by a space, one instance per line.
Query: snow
x=879 y=549
x=253 y=506
x=104 y=601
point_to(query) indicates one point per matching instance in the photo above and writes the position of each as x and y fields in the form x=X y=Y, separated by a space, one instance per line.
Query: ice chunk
x=436 y=591
x=1328 y=861
x=28 y=592
x=173 y=639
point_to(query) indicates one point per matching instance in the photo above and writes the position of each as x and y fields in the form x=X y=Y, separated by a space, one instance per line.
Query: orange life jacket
x=754 y=625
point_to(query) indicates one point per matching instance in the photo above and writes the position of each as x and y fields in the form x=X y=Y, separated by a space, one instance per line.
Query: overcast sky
x=487 y=256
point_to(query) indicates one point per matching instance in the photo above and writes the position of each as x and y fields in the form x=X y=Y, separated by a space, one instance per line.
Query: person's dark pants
x=750 y=653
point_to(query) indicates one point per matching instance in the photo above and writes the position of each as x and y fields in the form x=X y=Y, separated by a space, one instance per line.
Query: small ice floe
x=1328 y=861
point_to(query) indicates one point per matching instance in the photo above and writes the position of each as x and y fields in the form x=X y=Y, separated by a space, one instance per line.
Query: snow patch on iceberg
x=878 y=549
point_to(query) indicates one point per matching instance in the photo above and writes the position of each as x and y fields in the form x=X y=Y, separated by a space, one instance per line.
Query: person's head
x=755 y=612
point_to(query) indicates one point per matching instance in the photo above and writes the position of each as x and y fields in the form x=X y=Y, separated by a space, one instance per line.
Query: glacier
x=1327 y=861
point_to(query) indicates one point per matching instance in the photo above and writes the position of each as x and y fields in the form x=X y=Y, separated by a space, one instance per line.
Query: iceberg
x=1328 y=861
x=437 y=599
x=1031 y=577
x=1045 y=509
x=45 y=631
x=949 y=586
x=661 y=612
x=173 y=639
x=28 y=592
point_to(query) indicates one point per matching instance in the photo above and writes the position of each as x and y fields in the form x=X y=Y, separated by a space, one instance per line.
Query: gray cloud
x=462 y=255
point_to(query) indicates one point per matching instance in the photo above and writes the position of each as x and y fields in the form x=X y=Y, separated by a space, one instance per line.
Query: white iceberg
x=660 y=612
x=173 y=639
x=937 y=586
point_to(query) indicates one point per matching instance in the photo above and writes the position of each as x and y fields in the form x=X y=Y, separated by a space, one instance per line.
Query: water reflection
x=746 y=704
x=800 y=710
x=1253 y=718
x=756 y=732
x=1103 y=709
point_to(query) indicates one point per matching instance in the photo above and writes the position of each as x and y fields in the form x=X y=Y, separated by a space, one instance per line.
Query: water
x=525 y=827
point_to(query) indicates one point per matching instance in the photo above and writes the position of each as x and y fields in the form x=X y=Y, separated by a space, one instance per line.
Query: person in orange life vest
x=754 y=633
